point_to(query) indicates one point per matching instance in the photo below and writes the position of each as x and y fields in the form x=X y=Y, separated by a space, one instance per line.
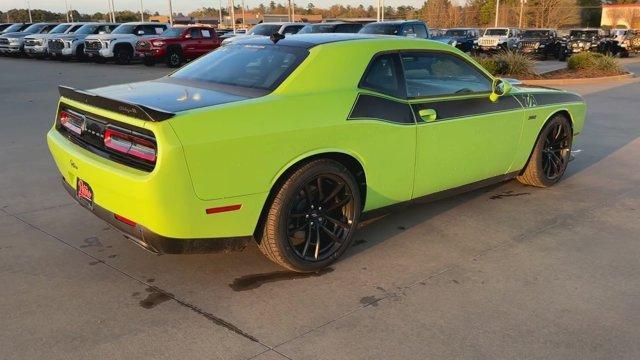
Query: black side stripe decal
x=376 y=107
x=556 y=98
x=452 y=109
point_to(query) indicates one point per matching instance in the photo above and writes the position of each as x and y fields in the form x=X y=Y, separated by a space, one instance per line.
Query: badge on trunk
x=84 y=193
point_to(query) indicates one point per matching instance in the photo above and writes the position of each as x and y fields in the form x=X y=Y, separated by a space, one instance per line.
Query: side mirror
x=187 y=36
x=499 y=88
x=140 y=32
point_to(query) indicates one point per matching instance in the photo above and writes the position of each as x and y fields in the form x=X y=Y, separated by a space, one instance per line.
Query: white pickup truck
x=120 y=43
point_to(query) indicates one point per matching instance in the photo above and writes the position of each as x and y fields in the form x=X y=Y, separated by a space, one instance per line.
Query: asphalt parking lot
x=505 y=272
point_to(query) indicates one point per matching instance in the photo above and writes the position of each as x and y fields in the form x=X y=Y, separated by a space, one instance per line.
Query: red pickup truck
x=178 y=44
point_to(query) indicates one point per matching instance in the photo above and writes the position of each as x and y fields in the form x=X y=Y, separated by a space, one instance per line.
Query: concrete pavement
x=500 y=273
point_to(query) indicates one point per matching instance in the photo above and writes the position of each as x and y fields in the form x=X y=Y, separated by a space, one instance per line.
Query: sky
x=184 y=6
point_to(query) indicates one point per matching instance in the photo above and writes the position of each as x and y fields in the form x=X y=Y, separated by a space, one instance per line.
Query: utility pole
x=70 y=11
x=243 y=24
x=29 y=7
x=497 y=12
x=233 y=15
x=378 y=11
x=382 y=10
x=219 y=13
x=141 y=11
x=66 y=6
x=293 y=11
x=113 y=10
x=170 y=13
x=522 y=2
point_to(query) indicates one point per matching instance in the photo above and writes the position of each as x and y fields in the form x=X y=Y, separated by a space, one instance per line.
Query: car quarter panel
x=163 y=200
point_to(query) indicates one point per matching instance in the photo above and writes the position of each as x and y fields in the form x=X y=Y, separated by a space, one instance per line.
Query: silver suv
x=120 y=43
x=13 y=42
x=72 y=45
x=36 y=45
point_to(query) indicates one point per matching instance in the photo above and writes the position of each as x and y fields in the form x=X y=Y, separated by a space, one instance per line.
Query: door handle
x=428 y=115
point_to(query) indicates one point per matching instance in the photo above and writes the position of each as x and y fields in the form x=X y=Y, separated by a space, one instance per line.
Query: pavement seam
x=218 y=321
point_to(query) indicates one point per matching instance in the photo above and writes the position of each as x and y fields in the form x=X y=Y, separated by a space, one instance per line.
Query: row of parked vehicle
x=154 y=42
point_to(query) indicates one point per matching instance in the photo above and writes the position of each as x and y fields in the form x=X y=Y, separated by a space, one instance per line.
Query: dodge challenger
x=292 y=141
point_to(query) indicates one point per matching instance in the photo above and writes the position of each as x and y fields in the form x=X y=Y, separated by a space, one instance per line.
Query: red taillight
x=70 y=122
x=130 y=145
x=124 y=220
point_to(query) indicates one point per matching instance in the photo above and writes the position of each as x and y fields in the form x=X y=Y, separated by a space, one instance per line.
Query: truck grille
x=488 y=42
x=56 y=44
x=4 y=41
x=92 y=45
x=530 y=44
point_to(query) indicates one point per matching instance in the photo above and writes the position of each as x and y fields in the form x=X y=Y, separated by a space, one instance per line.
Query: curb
x=579 y=80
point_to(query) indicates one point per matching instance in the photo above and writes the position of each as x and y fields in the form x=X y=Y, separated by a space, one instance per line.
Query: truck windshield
x=250 y=66
x=60 y=29
x=496 y=32
x=34 y=29
x=380 y=29
x=124 y=29
x=13 y=28
x=264 y=29
x=582 y=34
x=454 y=32
x=315 y=29
x=535 y=33
x=172 y=32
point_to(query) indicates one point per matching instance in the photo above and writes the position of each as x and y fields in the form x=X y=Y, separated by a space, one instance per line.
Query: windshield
x=60 y=29
x=582 y=34
x=87 y=29
x=264 y=29
x=74 y=28
x=258 y=67
x=496 y=32
x=314 y=29
x=13 y=28
x=34 y=29
x=172 y=32
x=535 y=33
x=380 y=29
x=124 y=29
x=454 y=32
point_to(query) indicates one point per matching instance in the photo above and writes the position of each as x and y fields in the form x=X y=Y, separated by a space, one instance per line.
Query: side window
x=206 y=33
x=438 y=74
x=195 y=33
x=420 y=30
x=292 y=29
x=382 y=75
x=408 y=31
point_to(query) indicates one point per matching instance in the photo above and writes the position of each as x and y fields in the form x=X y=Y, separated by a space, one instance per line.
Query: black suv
x=331 y=27
x=408 y=28
x=543 y=43
x=581 y=40
x=462 y=38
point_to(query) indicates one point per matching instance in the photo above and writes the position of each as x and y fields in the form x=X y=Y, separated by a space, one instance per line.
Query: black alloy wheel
x=312 y=217
x=123 y=55
x=556 y=151
x=174 y=59
x=320 y=218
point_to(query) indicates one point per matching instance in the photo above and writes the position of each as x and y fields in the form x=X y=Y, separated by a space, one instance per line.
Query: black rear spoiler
x=121 y=107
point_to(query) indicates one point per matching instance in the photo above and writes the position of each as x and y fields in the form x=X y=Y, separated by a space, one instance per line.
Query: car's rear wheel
x=551 y=154
x=312 y=218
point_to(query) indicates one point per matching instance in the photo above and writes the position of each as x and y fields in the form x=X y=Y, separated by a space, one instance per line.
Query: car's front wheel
x=312 y=217
x=123 y=55
x=174 y=58
x=551 y=154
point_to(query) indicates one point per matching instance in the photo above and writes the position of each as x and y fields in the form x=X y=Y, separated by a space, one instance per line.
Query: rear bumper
x=159 y=244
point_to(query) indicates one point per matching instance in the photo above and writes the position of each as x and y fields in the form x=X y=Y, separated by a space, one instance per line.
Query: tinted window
x=60 y=29
x=195 y=33
x=260 y=67
x=496 y=32
x=382 y=75
x=408 y=31
x=432 y=74
x=347 y=28
x=420 y=30
x=381 y=29
x=73 y=29
x=14 y=28
x=124 y=29
x=455 y=32
x=206 y=33
x=292 y=29
x=265 y=29
x=173 y=32
x=535 y=33
x=311 y=29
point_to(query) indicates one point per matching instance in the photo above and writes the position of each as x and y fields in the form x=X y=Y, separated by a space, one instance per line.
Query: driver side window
x=440 y=74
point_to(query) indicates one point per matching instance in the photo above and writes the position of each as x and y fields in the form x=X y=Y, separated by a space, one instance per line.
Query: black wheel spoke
x=331 y=234
x=319 y=185
x=334 y=193
x=317 y=241
x=340 y=204
x=336 y=222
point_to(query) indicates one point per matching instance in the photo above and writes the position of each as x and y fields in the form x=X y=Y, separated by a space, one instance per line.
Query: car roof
x=144 y=23
x=397 y=22
x=308 y=41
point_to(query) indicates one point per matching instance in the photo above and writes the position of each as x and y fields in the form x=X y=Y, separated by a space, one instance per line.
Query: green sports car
x=291 y=142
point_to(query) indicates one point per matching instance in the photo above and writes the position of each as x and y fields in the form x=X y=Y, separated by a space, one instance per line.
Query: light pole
x=29 y=7
x=141 y=11
x=170 y=13
x=66 y=5
x=243 y=24
x=219 y=13
x=522 y=2
x=497 y=12
x=70 y=11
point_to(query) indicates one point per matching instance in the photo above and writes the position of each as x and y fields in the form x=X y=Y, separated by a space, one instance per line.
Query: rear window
x=250 y=66
x=381 y=29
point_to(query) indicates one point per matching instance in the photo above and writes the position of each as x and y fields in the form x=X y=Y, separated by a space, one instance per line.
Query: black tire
x=319 y=201
x=174 y=58
x=148 y=61
x=550 y=156
x=123 y=55
x=99 y=60
x=80 y=55
x=624 y=54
